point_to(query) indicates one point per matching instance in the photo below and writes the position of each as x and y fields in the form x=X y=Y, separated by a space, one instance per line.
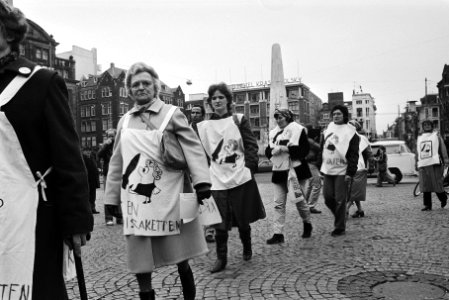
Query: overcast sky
x=386 y=47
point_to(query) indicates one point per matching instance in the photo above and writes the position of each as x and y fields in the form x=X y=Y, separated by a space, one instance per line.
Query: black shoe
x=358 y=214
x=307 y=230
x=95 y=212
x=119 y=221
x=338 y=232
x=426 y=208
x=276 y=239
x=313 y=210
x=247 y=255
x=210 y=238
x=443 y=203
x=219 y=265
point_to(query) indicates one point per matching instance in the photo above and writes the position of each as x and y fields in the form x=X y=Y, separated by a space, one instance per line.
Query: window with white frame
x=83 y=111
x=92 y=110
x=83 y=126
x=359 y=102
x=367 y=111
x=93 y=126
x=104 y=124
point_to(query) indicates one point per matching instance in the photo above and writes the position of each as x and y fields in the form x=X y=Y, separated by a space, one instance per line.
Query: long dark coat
x=40 y=116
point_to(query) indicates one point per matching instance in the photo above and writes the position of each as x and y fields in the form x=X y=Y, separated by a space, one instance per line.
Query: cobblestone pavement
x=394 y=241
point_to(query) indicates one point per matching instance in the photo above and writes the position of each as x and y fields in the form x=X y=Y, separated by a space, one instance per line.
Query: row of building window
x=91 y=126
x=88 y=141
x=360 y=102
x=105 y=93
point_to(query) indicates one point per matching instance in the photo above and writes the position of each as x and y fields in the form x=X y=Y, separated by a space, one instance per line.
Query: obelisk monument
x=278 y=95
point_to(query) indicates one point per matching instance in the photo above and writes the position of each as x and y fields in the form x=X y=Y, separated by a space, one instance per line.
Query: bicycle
x=417 y=191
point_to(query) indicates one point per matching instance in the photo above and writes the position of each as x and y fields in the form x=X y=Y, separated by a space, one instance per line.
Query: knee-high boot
x=187 y=282
x=221 y=240
x=245 y=236
x=149 y=295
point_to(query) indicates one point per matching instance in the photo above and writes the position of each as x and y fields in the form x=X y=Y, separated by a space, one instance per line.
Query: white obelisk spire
x=278 y=95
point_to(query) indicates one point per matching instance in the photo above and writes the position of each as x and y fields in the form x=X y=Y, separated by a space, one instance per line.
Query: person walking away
x=232 y=149
x=288 y=146
x=198 y=114
x=104 y=154
x=313 y=159
x=44 y=196
x=149 y=190
x=340 y=155
x=383 y=174
x=92 y=175
x=432 y=158
x=358 y=189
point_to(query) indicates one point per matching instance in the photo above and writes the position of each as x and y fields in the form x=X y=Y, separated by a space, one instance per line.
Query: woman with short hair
x=287 y=149
x=232 y=148
x=340 y=151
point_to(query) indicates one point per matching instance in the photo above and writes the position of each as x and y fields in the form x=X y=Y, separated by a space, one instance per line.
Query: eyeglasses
x=218 y=97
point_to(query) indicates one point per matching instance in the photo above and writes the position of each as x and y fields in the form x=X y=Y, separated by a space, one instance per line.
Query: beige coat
x=191 y=146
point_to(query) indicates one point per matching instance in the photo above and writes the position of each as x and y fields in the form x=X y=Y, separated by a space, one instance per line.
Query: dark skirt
x=431 y=179
x=358 y=188
x=239 y=206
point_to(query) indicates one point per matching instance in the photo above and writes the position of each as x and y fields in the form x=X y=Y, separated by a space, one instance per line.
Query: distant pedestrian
x=148 y=190
x=432 y=158
x=198 y=113
x=313 y=159
x=44 y=195
x=105 y=154
x=383 y=174
x=92 y=175
x=232 y=149
x=358 y=189
x=340 y=152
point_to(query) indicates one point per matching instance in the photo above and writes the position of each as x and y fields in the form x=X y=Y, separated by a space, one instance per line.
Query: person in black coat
x=40 y=117
x=104 y=154
x=92 y=175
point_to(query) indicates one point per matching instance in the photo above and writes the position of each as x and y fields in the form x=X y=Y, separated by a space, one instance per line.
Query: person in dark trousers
x=340 y=156
x=44 y=182
x=383 y=174
x=92 y=175
x=104 y=154
x=198 y=113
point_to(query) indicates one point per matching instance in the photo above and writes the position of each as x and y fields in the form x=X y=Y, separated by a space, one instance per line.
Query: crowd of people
x=51 y=183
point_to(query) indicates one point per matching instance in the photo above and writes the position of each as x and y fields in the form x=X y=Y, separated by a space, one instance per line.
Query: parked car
x=264 y=166
x=401 y=160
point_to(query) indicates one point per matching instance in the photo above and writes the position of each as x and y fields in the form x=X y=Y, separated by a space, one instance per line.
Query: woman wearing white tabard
x=148 y=191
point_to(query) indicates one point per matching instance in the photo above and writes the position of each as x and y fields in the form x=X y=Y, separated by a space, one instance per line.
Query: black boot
x=277 y=238
x=245 y=236
x=221 y=240
x=149 y=295
x=307 y=230
x=188 y=283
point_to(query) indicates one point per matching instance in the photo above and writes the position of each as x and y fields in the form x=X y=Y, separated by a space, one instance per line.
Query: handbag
x=171 y=151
